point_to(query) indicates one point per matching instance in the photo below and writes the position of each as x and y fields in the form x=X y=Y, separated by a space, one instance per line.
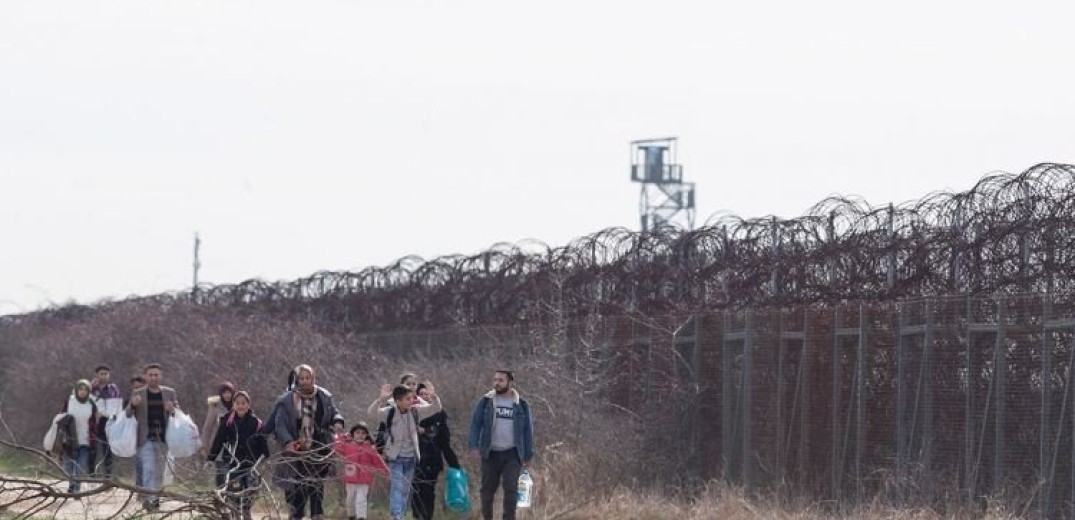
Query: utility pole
x=197 y=262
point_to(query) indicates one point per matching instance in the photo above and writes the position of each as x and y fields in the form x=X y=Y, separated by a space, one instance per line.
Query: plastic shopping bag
x=122 y=432
x=50 y=435
x=456 y=492
x=182 y=436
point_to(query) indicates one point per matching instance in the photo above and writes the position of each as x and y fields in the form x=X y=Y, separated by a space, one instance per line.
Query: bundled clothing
x=307 y=419
x=502 y=429
x=435 y=447
x=360 y=462
x=239 y=444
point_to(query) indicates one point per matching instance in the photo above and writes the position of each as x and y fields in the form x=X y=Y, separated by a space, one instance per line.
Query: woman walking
x=303 y=420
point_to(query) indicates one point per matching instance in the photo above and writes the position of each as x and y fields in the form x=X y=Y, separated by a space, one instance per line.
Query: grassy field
x=729 y=504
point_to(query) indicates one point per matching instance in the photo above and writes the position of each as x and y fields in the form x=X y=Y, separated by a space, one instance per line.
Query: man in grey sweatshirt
x=502 y=436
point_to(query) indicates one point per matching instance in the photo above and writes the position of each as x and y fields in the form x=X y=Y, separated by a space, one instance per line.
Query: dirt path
x=114 y=503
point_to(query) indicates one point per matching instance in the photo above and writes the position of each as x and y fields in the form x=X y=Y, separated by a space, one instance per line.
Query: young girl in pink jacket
x=360 y=461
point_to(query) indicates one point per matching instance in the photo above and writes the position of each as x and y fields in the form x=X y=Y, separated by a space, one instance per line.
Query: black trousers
x=241 y=490
x=500 y=468
x=424 y=492
x=302 y=493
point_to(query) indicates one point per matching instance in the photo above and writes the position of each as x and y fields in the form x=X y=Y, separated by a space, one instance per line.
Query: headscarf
x=306 y=404
x=313 y=375
x=226 y=386
x=74 y=390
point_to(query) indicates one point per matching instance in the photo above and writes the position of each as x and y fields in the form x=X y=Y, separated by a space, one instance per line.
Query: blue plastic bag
x=456 y=491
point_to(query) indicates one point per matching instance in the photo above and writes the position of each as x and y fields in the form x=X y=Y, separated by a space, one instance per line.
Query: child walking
x=240 y=444
x=361 y=460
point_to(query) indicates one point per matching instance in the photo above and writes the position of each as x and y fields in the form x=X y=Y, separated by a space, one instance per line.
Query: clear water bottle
x=526 y=490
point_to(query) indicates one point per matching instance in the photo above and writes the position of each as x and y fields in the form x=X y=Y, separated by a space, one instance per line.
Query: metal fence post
x=781 y=388
x=748 y=369
x=727 y=403
x=837 y=469
x=927 y=390
x=1044 y=454
x=968 y=410
x=1000 y=371
x=860 y=393
x=901 y=401
x=805 y=374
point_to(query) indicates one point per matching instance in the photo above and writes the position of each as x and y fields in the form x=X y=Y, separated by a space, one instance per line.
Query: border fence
x=920 y=352
x=947 y=401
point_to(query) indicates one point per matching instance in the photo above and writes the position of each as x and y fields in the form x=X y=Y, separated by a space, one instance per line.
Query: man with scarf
x=303 y=420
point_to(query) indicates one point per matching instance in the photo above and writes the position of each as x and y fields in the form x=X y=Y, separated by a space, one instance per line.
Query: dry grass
x=725 y=503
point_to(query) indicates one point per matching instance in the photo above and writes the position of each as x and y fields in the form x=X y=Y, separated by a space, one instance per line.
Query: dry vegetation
x=595 y=461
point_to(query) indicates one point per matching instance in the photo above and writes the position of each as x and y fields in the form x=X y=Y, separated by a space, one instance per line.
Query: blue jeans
x=402 y=471
x=77 y=467
x=151 y=460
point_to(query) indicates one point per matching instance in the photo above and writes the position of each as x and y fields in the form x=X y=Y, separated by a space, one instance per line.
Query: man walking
x=152 y=405
x=502 y=435
x=109 y=403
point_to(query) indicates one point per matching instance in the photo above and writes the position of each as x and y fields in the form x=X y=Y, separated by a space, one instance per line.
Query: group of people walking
x=411 y=444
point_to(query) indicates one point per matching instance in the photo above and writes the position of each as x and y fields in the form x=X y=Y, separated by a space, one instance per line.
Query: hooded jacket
x=435 y=443
x=483 y=419
x=238 y=440
x=360 y=461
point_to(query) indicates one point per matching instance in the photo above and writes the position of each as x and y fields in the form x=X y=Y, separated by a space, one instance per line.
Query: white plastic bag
x=50 y=435
x=122 y=432
x=182 y=436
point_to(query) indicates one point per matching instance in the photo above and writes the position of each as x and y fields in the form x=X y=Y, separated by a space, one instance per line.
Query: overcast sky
x=300 y=136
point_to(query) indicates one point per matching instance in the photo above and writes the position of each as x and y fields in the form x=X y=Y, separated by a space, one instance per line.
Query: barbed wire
x=1009 y=233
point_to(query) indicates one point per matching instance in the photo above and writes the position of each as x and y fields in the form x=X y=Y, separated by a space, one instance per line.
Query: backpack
x=384 y=430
